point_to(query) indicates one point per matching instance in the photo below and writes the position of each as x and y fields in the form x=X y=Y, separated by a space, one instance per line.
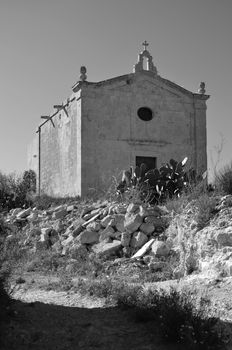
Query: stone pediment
x=145 y=80
x=156 y=86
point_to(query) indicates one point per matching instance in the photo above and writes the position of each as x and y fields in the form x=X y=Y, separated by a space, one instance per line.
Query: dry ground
x=49 y=319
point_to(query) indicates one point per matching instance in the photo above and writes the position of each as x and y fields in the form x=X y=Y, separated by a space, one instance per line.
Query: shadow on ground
x=43 y=326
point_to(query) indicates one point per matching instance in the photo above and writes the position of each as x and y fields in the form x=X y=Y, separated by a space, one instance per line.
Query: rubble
x=136 y=231
x=104 y=228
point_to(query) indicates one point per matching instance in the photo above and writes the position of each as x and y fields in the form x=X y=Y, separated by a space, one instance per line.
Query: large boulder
x=224 y=237
x=119 y=222
x=107 y=249
x=93 y=226
x=60 y=214
x=132 y=222
x=147 y=228
x=160 y=248
x=88 y=237
x=107 y=233
x=138 y=240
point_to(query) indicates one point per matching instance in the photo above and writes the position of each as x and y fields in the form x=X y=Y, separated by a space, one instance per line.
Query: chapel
x=105 y=127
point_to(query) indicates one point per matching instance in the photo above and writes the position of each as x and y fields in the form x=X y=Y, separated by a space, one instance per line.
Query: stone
x=228 y=267
x=138 y=240
x=144 y=249
x=59 y=214
x=117 y=235
x=159 y=223
x=88 y=237
x=107 y=220
x=108 y=232
x=125 y=239
x=132 y=222
x=24 y=213
x=224 y=237
x=93 y=226
x=127 y=251
x=95 y=211
x=86 y=211
x=107 y=249
x=45 y=233
x=119 y=222
x=150 y=219
x=160 y=248
x=70 y=208
x=78 y=252
x=147 y=228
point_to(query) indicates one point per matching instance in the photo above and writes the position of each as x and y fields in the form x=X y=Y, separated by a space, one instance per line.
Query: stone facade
x=97 y=133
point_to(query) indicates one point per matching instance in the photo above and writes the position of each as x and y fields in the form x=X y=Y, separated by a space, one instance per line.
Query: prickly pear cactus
x=157 y=184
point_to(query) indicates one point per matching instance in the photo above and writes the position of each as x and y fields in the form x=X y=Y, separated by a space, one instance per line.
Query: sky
x=43 y=43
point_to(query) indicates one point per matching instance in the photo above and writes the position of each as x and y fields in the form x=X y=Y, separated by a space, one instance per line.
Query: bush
x=15 y=191
x=174 y=315
x=223 y=180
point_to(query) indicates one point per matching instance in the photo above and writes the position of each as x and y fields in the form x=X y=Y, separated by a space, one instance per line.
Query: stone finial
x=83 y=75
x=201 y=89
x=139 y=66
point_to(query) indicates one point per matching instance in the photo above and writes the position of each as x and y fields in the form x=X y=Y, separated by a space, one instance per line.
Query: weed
x=223 y=180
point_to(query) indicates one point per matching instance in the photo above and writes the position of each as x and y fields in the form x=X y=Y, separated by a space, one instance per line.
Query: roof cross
x=145 y=44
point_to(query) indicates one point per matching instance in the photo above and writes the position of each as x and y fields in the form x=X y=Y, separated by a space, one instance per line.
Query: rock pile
x=103 y=228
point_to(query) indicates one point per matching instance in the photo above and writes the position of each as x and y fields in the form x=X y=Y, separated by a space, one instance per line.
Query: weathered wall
x=113 y=135
x=60 y=153
x=32 y=154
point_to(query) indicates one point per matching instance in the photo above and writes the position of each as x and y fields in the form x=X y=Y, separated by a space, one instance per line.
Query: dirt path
x=65 y=321
x=48 y=319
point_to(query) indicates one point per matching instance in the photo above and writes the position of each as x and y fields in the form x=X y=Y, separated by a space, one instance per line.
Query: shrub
x=223 y=180
x=15 y=191
x=174 y=315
